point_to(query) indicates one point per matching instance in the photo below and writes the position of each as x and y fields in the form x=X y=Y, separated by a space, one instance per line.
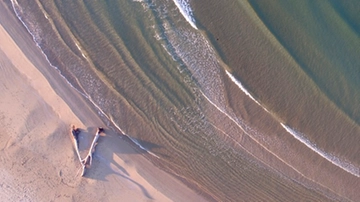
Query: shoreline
x=51 y=106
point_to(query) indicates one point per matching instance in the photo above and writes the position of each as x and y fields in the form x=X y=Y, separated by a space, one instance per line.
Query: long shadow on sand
x=110 y=146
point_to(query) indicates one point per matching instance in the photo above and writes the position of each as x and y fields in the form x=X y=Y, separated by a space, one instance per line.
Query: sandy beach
x=37 y=158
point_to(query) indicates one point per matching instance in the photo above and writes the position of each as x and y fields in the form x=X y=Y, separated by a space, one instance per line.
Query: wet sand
x=38 y=161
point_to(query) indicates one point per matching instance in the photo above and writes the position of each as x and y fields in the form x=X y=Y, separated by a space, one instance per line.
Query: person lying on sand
x=86 y=162
x=75 y=133
x=88 y=159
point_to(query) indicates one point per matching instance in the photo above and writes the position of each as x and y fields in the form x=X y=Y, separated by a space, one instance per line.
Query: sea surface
x=242 y=100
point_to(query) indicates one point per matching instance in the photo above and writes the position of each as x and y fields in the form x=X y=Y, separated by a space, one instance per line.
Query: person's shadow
x=109 y=146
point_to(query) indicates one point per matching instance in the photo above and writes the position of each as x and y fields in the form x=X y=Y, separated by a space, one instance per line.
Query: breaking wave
x=348 y=167
x=186 y=11
x=239 y=84
x=343 y=164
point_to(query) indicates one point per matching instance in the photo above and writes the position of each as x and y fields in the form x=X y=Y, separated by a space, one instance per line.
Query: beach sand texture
x=37 y=159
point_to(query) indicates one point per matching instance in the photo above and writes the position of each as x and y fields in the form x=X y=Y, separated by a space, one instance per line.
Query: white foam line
x=15 y=6
x=239 y=84
x=233 y=120
x=333 y=159
x=79 y=48
x=143 y=148
x=14 y=2
x=186 y=11
x=348 y=167
x=280 y=159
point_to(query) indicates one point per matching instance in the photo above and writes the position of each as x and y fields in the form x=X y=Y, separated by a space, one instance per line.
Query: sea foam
x=343 y=164
x=239 y=84
x=37 y=39
x=348 y=167
x=186 y=11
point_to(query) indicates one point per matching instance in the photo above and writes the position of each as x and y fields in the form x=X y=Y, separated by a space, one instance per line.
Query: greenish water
x=245 y=100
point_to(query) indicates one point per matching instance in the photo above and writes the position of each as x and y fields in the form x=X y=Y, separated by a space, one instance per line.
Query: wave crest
x=343 y=164
x=186 y=11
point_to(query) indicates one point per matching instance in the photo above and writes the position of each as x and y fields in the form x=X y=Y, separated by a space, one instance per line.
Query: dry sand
x=37 y=157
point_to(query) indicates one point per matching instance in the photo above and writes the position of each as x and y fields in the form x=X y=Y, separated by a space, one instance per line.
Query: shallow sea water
x=244 y=100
